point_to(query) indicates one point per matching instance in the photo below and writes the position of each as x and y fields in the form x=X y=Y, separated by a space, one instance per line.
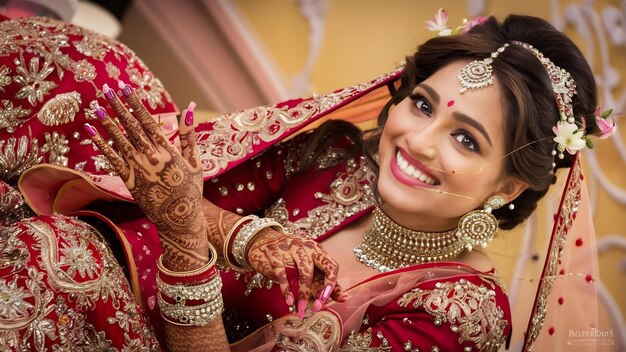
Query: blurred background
x=228 y=55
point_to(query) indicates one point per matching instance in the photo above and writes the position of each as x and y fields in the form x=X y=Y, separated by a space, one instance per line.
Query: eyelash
x=462 y=137
x=474 y=147
x=417 y=98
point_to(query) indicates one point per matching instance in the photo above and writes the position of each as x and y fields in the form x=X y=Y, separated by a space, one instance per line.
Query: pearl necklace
x=388 y=246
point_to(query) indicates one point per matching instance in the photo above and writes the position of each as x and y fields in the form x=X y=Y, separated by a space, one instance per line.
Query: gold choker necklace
x=388 y=246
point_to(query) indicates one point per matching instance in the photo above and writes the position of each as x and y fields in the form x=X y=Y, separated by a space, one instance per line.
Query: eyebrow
x=457 y=115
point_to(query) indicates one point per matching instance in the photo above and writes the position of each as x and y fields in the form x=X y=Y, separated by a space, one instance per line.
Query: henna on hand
x=271 y=252
x=165 y=184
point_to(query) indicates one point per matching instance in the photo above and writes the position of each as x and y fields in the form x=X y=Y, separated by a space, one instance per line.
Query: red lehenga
x=61 y=284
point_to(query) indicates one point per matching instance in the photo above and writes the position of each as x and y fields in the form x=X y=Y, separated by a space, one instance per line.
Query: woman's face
x=435 y=129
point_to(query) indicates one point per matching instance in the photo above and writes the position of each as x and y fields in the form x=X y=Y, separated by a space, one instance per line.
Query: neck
x=412 y=222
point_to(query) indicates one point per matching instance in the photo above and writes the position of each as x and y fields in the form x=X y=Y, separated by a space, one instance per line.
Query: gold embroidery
x=5 y=80
x=562 y=225
x=17 y=156
x=318 y=332
x=60 y=110
x=89 y=46
x=361 y=342
x=471 y=311
x=10 y=116
x=349 y=194
x=35 y=317
x=57 y=145
x=233 y=136
x=84 y=71
x=33 y=80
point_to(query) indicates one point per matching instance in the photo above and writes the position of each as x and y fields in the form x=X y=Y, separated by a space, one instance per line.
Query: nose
x=423 y=142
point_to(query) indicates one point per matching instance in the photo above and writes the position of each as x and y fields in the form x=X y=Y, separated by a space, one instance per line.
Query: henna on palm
x=211 y=337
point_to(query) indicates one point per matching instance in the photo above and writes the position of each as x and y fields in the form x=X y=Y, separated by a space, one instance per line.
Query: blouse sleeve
x=64 y=290
x=464 y=314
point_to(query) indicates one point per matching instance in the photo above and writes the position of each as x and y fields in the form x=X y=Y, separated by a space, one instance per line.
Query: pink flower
x=605 y=122
x=475 y=22
x=439 y=23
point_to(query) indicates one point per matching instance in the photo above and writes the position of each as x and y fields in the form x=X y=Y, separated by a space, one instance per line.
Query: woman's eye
x=423 y=105
x=466 y=141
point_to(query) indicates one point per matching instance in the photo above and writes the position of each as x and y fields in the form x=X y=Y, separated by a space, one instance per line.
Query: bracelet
x=182 y=293
x=243 y=237
x=198 y=315
x=194 y=277
x=228 y=242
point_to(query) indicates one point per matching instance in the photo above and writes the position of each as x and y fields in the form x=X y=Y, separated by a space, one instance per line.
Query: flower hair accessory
x=439 y=24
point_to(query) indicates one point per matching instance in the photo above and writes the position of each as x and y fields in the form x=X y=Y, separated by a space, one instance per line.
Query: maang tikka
x=478 y=227
x=479 y=74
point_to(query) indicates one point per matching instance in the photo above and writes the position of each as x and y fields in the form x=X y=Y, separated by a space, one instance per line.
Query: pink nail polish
x=191 y=106
x=91 y=131
x=126 y=88
x=101 y=113
x=325 y=294
x=189 y=118
x=289 y=299
x=108 y=92
x=317 y=305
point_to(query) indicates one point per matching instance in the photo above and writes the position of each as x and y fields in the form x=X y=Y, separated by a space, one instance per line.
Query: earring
x=479 y=226
x=511 y=206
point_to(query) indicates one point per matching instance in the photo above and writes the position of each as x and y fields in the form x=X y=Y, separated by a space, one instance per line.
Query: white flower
x=439 y=23
x=569 y=137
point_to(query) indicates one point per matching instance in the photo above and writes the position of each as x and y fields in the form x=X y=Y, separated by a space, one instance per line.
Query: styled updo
x=528 y=101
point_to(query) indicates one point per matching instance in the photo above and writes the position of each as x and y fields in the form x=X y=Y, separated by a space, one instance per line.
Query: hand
x=166 y=184
x=271 y=253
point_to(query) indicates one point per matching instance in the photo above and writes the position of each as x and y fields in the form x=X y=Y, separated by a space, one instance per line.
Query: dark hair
x=528 y=102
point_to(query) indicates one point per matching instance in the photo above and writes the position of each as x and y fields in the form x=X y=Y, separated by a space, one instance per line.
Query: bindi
x=450 y=103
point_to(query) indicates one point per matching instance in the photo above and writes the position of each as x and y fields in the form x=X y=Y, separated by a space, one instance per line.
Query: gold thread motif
x=471 y=311
x=60 y=110
x=349 y=194
x=562 y=224
x=234 y=135
x=57 y=280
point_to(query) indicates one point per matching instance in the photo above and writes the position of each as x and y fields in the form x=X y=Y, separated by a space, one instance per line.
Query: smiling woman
x=367 y=241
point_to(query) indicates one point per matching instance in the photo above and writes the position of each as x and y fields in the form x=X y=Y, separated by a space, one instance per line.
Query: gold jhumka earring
x=478 y=227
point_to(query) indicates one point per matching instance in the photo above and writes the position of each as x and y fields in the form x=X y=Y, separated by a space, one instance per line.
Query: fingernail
x=108 y=92
x=126 y=88
x=325 y=294
x=317 y=305
x=191 y=106
x=301 y=307
x=189 y=118
x=91 y=131
x=101 y=113
x=289 y=299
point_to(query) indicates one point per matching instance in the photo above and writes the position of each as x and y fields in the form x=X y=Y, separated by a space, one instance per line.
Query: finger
x=127 y=150
x=280 y=276
x=305 y=278
x=330 y=268
x=188 y=137
x=143 y=116
x=133 y=128
x=119 y=164
x=339 y=294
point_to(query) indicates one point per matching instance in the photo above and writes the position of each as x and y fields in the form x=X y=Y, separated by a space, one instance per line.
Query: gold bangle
x=247 y=232
x=229 y=237
x=187 y=274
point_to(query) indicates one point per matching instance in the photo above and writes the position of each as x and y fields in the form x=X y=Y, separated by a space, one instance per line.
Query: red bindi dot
x=450 y=103
x=579 y=242
x=561 y=300
x=551 y=330
x=589 y=278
